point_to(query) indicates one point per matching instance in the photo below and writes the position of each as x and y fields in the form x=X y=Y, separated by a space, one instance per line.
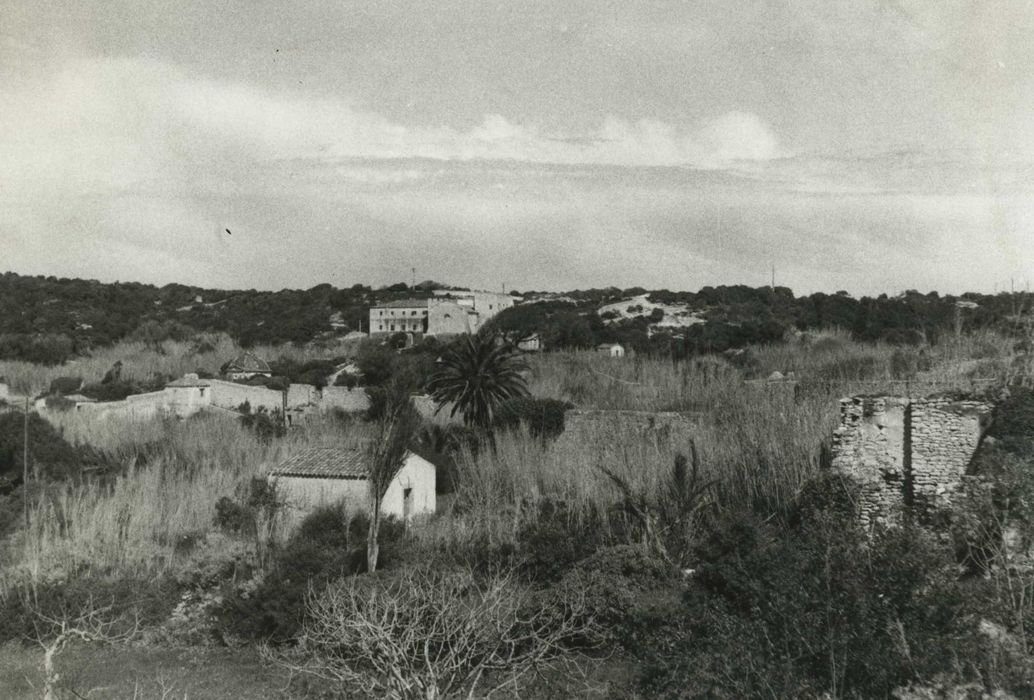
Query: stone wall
x=613 y=429
x=231 y=395
x=351 y=400
x=945 y=435
x=869 y=446
x=902 y=451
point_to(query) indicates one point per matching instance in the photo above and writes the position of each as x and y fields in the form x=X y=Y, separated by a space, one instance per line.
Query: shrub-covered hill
x=715 y=319
x=47 y=319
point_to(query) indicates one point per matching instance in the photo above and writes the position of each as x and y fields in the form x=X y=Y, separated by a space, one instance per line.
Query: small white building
x=611 y=349
x=187 y=395
x=319 y=476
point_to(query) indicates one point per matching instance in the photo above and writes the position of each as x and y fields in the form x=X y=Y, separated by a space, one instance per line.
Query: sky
x=867 y=145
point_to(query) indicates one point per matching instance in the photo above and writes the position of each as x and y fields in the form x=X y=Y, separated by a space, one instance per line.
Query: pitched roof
x=248 y=362
x=403 y=304
x=325 y=462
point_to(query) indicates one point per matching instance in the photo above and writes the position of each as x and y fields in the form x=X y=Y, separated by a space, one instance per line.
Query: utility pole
x=773 y=278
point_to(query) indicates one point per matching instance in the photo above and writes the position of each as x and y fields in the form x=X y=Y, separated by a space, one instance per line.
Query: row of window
x=380 y=312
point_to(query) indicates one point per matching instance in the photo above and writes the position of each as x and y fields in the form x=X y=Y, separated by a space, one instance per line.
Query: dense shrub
x=65 y=385
x=326 y=545
x=266 y=425
x=810 y=611
x=628 y=591
x=550 y=544
x=542 y=417
x=29 y=614
x=49 y=454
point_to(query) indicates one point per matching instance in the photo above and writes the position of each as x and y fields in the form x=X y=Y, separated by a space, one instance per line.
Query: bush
x=543 y=417
x=628 y=591
x=429 y=633
x=554 y=541
x=29 y=613
x=326 y=545
x=65 y=385
x=812 y=611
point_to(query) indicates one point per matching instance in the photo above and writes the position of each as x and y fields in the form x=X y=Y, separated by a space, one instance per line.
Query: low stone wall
x=351 y=400
x=231 y=395
x=612 y=429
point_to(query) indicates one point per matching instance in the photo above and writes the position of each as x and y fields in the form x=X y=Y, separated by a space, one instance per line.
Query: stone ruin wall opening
x=904 y=452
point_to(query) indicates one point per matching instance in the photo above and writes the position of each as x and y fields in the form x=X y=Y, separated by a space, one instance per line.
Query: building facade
x=322 y=476
x=446 y=313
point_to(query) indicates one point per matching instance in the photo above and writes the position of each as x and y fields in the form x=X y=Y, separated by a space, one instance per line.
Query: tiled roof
x=403 y=304
x=248 y=362
x=325 y=462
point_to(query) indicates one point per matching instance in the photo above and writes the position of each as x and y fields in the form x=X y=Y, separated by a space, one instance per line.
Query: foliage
x=65 y=385
x=28 y=614
x=50 y=455
x=543 y=417
x=811 y=611
x=266 y=425
x=628 y=592
x=326 y=545
x=476 y=375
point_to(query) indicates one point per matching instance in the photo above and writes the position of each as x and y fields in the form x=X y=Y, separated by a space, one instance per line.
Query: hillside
x=48 y=320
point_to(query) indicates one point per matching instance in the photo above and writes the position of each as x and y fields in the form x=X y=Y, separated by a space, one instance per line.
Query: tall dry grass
x=758 y=444
x=139 y=523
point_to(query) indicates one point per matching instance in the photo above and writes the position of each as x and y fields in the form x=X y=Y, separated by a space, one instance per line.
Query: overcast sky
x=853 y=144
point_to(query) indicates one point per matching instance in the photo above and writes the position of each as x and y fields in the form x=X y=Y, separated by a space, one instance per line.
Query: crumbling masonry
x=904 y=452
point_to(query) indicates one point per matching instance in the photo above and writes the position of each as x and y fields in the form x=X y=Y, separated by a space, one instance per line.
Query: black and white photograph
x=538 y=349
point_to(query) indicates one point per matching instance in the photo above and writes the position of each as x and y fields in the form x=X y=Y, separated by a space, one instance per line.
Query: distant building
x=611 y=349
x=448 y=312
x=403 y=316
x=319 y=476
x=246 y=366
x=485 y=304
x=533 y=343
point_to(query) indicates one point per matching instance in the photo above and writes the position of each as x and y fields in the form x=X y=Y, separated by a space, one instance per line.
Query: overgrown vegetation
x=721 y=563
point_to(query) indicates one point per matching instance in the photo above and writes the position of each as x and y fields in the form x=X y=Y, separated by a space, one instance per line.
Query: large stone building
x=446 y=313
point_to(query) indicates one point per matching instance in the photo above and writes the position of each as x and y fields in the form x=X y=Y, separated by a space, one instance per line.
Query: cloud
x=128 y=169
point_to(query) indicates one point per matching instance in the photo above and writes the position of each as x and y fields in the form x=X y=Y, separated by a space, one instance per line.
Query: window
x=425 y=312
x=393 y=326
x=489 y=307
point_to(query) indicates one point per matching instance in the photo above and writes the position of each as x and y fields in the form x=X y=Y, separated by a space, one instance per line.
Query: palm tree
x=476 y=375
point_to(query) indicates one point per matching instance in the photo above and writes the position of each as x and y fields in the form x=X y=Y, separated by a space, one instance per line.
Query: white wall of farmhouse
x=301 y=495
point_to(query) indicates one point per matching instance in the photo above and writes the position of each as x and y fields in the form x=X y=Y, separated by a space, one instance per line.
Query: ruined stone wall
x=869 y=446
x=905 y=451
x=945 y=435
